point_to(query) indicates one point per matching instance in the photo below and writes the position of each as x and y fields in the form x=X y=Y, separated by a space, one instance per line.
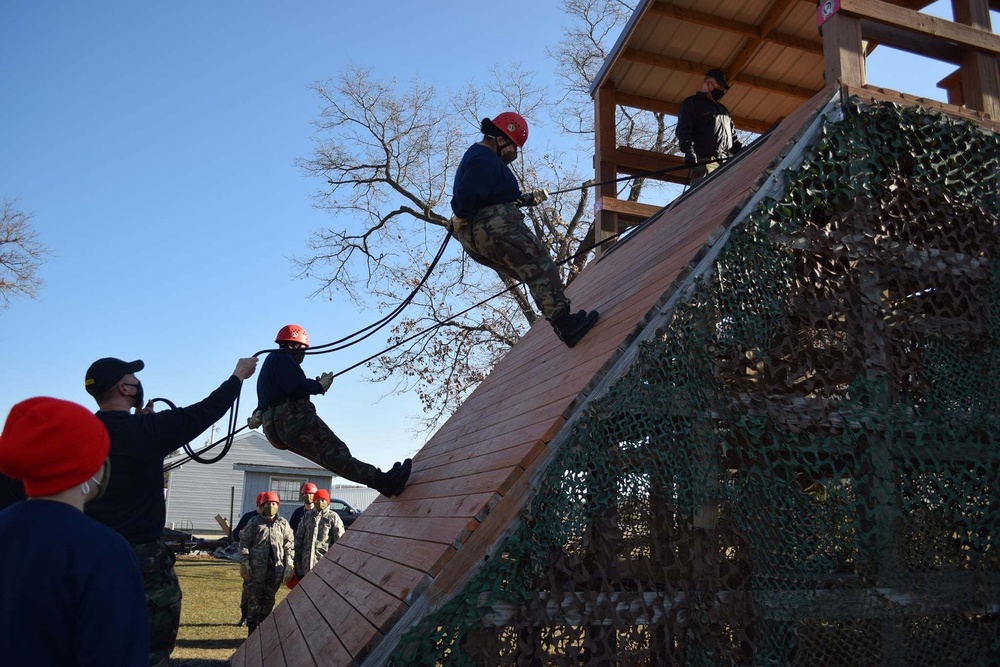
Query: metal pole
x=232 y=496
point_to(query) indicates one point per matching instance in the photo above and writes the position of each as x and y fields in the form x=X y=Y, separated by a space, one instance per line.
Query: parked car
x=348 y=512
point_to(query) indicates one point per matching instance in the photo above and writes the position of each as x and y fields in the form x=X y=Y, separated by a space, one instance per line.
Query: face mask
x=322 y=504
x=102 y=485
x=137 y=399
x=270 y=511
x=717 y=94
x=507 y=152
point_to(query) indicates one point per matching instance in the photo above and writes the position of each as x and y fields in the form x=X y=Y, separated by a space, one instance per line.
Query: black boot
x=393 y=482
x=571 y=327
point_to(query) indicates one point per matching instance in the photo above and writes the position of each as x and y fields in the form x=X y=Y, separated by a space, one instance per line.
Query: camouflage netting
x=802 y=467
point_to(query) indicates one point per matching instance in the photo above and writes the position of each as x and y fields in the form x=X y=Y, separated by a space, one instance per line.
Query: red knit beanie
x=323 y=494
x=52 y=445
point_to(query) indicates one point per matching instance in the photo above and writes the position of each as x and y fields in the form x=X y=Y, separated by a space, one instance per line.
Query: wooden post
x=842 y=51
x=980 y=74
x=605 y=222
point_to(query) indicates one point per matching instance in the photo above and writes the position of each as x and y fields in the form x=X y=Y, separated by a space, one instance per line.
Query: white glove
x=534 y=198
x=325 y=380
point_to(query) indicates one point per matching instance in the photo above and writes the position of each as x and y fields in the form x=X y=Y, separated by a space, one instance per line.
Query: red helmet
x=259 y=496
x=308 y=487
x=292 y=333
x=513 y=126
x=269 y=497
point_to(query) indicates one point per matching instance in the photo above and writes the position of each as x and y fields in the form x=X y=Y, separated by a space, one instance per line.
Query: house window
x=287 y=489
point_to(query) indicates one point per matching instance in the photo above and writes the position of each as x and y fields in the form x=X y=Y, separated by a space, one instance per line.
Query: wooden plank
x=352 y=628
x=393 y=578
x=270 y=643
x=376 y=605
x=459 y=505
x=317 y=630
x=429 y=557
x=630 y=208
x=443 y=530
x=295 y=651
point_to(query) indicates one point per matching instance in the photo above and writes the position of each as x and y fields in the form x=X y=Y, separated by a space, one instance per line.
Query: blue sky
x=154 y=142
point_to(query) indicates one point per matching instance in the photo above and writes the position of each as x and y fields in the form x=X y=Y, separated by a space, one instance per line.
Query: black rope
x=376 y=326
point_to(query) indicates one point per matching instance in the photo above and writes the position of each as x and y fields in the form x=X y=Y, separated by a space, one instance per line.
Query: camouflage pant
x=294 y=425
x=261 y=591
x=497 y=237
x=702 y=170
x=244 y=601
x=163 y=597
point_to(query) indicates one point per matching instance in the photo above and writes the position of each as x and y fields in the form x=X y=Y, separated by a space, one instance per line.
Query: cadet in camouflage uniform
x=290 y=421
x=319 y=529
x=491 y=228
x=267 y=558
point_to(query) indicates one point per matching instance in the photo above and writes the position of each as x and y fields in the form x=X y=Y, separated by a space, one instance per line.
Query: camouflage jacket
x=316 y=533
x=262 y=539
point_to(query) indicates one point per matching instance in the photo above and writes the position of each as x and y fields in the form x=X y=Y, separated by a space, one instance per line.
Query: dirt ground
x=208 y=635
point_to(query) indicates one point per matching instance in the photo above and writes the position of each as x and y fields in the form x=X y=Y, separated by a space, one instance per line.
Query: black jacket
x=705 y=128
x=133 y=503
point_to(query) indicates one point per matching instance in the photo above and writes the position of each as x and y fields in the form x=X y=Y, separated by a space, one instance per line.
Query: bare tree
x=586 y=43
x=21 y=255
x=387 y=156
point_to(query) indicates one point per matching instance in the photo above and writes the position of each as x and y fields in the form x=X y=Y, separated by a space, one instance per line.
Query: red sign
x=826 y=9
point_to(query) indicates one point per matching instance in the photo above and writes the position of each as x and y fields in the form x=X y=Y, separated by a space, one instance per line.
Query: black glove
x=737 y=147
x=690 y=160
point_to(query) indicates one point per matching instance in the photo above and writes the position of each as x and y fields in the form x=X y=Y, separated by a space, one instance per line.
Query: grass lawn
x=208 y=634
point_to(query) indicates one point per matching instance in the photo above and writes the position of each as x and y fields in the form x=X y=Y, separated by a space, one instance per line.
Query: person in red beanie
x=88 y=607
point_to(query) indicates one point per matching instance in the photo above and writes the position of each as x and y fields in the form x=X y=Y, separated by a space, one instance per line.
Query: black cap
x=719 y=76
x=105 y=373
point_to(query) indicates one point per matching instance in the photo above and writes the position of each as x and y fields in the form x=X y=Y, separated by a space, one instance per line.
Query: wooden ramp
x=405 y=557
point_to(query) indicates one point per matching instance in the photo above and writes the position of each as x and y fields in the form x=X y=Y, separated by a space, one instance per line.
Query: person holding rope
x=134 y=504
x=705 y=131
x=490 y=226
x=289 y=418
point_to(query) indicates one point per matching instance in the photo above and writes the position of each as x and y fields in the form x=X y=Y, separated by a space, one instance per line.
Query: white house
x=197 y=492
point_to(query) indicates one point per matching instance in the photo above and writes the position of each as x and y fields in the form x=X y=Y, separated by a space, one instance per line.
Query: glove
x=534 y=198
x=325 y=380
x=292 y=582
x=690 y=160
x=254 y=421
x=245 y=570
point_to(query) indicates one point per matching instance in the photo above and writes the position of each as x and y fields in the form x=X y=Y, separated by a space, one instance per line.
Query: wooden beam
x=632 y=209
x=639 y=162
x=672 y=109
x=911 y=42
x=922 y=24
x=980 y=72
x=738 y=27
x=771 y=18
x=844 y=60
x=605 y=142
